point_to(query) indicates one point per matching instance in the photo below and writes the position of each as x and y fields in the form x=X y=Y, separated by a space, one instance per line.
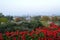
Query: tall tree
x=1 y=15
x=9 y=18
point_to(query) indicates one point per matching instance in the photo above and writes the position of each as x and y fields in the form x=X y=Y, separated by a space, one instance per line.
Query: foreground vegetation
x=41 y=33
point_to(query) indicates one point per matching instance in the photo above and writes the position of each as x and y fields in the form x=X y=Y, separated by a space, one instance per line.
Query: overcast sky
x=30 y=7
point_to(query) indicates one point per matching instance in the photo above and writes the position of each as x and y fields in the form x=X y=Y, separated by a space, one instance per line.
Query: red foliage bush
x=47 y=33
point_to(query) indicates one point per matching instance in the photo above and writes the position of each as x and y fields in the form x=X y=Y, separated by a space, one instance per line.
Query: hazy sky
x=30 y=7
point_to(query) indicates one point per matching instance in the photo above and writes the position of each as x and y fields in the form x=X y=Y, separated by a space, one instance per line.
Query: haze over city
x=30 y=7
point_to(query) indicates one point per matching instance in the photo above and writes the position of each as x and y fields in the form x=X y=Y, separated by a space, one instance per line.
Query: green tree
x=2 y=19
x=9 y=17
x=1 y=15
x=45 y=18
